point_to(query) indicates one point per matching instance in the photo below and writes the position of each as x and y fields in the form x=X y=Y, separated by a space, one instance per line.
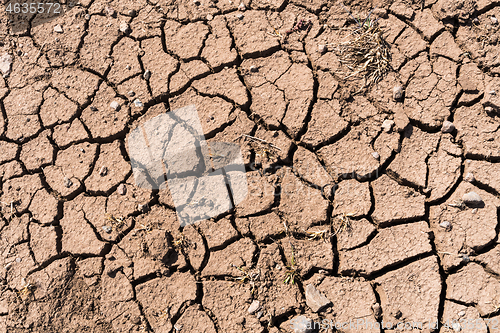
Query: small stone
x=110 y=12
x=128 y=67
x=58 y=29
x=278 y=267
x=377 y=310
x=315 y=299
x=474 y=211
x=122 y=189
x=397 y=93
x=18 y=260
x=489 y=109
x=469 y=177
x=103 y=172
x=67 y=182
x=259 y=314
x=5 y=63
x=197 y=2
x=254 y=307
x=322 y=48
x=138 y=103
x=461 y=313
x=178 y=327
x=93 y=108
x=494 y=20
x=115 y=105
x=475 y=20
x=387 y=125
x=125 y=28
x=456 y=327
x=465 y=258
x=376 y=155
x=87 y=17
x=242 y=7
x=210 y=17
x=131 y=93
x=302 y=324
x=143 y=208
x=107 y=229
x=239 y=16
x=492 y=92
x=132 y=13
x=447 y=127
x=445 y=225
x=147 y=74
x=254 y=69
x=472 y=199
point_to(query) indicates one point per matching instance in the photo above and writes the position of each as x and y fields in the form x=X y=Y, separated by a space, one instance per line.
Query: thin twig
x=451 y=254
x=257 y=139
x=40 y=52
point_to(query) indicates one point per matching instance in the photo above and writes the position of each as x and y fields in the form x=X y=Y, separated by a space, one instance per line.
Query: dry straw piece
x=364 y=52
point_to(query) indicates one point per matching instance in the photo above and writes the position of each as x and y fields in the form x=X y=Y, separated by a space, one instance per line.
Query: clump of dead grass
x=291 y=269
x=364 y=52
x=345 y=222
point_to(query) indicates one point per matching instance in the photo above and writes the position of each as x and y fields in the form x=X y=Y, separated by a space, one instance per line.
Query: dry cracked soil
x=360 y=208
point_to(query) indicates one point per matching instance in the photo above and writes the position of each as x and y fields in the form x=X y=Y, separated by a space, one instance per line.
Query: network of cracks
x=359 y=205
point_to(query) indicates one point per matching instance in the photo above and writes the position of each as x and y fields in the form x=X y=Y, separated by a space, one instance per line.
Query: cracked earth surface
x=364 y=196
